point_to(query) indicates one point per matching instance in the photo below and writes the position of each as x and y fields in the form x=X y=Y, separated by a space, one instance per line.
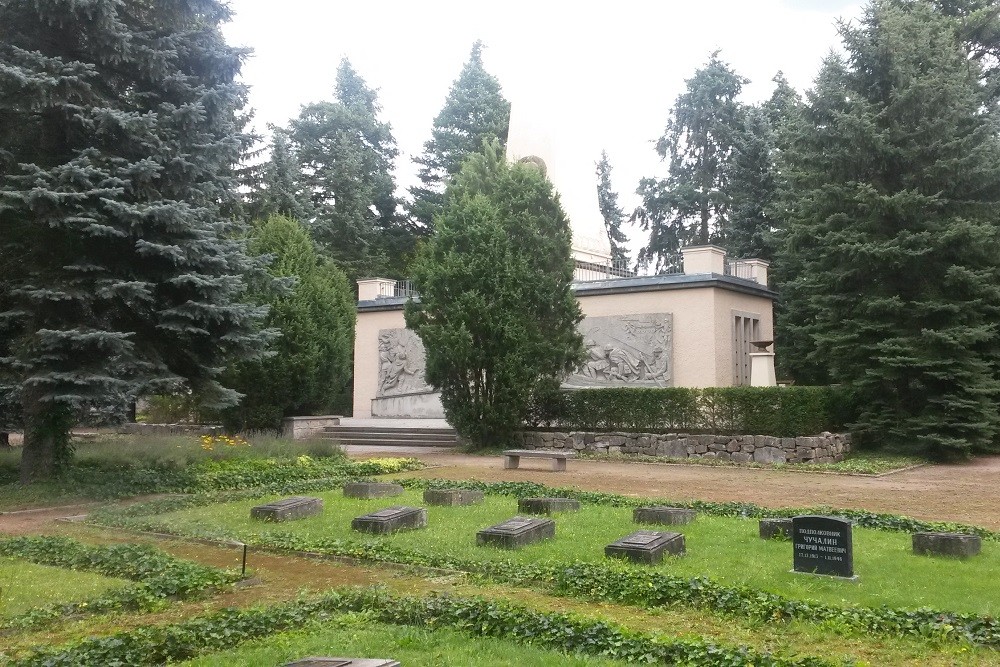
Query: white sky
x=607 y=72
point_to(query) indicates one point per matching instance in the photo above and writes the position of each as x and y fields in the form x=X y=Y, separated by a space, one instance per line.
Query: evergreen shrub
x=777 y=411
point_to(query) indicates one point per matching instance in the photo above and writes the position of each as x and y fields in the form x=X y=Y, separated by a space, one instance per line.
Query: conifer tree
x=613 y=214
x=119 y=129
x=496 y=314
x=893 y=198
x=691 y=206
x=280 y=191
x=345 y=154
x=310 y=370
x=475 y=112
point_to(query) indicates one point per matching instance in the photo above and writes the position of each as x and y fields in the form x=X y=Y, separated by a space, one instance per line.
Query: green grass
x=25 y=586
x=357 y=636
x=724 y=549
x=860 y=463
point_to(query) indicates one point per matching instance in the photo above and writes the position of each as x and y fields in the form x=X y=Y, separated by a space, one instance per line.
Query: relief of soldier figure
x=401 y=362
x=625 y=350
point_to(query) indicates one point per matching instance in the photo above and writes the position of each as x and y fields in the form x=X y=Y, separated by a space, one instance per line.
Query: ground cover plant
x=24 y=586
x=724 y=549
x=472 y=615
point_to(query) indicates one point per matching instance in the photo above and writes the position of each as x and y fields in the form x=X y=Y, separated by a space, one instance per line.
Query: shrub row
x=616 y=583
x=777 y=411
x=159 y=576
x=225 y=629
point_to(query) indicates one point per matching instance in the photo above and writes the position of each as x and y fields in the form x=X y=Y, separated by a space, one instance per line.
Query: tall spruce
x=346 y=156
x=691 y=206
x=612 y=212
x=893 y=197
x=496 y=313
x=119 y=130
x=310 y=370
x=280 y=188
x=474 y=113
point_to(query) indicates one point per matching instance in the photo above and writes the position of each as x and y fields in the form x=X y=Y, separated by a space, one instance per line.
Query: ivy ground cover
x=724 y=549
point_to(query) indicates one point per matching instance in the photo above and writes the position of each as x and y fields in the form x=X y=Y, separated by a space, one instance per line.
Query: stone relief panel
x=401 y=363
x=626 y=350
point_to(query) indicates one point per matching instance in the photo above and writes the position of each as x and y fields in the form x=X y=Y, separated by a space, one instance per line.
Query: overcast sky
x=604 y=75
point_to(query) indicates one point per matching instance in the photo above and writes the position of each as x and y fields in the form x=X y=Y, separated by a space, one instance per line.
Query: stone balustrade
x=823 y=448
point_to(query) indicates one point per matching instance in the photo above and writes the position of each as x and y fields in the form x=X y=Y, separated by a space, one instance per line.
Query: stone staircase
x=391 y=436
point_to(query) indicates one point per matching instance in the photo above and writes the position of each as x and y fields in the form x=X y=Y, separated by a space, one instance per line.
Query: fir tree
x=474 y=113
x=691 y=206
x=119 y=129
x=346 y=154
x=280 y=191
x=751 y=187
x=496 y=314
x=310 y=371
x=614 y=216
x=893 y=195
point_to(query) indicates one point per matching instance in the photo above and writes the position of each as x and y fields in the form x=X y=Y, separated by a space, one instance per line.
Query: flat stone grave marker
x=452 y=497
x=956 y=545
x=823 y=545
x=342 y=662
x=646 y=546
x=547 y=505
x=391 y=519
x=773 y=529
x=371 y=490
x=517 y=532
x=287 y=509
x=666 y=516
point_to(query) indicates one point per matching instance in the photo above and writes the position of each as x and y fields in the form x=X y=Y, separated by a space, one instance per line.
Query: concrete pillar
x=759 y=269
x=373 y=288
x=704 y=259
x=762 y=369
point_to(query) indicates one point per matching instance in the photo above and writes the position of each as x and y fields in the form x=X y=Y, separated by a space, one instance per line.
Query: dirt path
x=969 y=493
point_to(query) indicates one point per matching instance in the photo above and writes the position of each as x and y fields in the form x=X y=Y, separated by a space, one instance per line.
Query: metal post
x=243 y=573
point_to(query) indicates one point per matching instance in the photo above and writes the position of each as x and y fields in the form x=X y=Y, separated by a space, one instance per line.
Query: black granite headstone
x=547 y=505
x=667 y=516
x=342 y=662
x=646 y=546
x=371 y=490
x=452 y=497
x=517 y=532
x=391 y=519
x=287 y=509
x=822 y=545
x=772 y=529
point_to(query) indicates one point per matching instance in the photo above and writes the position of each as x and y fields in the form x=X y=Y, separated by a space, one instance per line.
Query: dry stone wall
x=823 y=448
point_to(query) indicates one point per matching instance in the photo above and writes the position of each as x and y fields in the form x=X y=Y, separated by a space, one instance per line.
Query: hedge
x=776 y=411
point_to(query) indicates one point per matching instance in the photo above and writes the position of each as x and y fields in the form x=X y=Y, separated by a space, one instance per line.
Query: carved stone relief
x=401 y=363
x=626 y=350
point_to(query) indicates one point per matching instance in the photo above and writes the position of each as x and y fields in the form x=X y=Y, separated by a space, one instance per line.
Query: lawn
x=724 y=549
x=357 y=636
x=25 y=586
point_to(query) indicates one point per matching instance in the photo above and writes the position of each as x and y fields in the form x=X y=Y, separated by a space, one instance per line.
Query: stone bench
x=512 y=458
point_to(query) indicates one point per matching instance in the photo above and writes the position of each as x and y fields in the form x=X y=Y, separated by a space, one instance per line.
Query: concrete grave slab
x=391 y=520
x=517 y=532
x=774 y=529
x=371 y=490
x=452 y=497
x=547 y=505
x=955 y=545
x=646 y=546
x=287 y=509
x=666 y=516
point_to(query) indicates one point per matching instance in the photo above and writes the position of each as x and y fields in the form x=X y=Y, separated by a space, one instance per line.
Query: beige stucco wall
x=702 y=333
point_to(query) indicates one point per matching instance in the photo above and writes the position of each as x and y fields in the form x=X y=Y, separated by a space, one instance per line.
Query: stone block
x=733 y=446
x=391 y=520
x=700 y=448
x=769 y=455
x=517 y=532
x=741 y=457
x=724 y=456
x=287 y=509
x=371 y=490
x=770 y=529
x=676 y=449
x=709 y=455
x=452 y=497
x=616 y=440
x=788 y=443
x=667 y=516
x=956 y=545
x=646 y=546
x=547 y=505
x=765 y=441
x=342 y=662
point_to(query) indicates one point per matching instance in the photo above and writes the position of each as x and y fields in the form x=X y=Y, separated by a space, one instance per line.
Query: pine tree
x=346 y=154
x=496 y=314
x=691 y=206
x=119 y=130
x=893 y=196
x=474 y=113
x=613 y=214
x=310 y=371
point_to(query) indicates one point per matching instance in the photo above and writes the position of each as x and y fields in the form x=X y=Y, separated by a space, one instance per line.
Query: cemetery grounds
x=135 y=557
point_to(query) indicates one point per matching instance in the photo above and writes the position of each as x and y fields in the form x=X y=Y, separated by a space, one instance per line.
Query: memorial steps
x=391 y=436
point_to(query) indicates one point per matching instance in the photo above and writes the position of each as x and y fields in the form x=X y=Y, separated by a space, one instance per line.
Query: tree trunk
x=4 y=440
x=46 y=439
